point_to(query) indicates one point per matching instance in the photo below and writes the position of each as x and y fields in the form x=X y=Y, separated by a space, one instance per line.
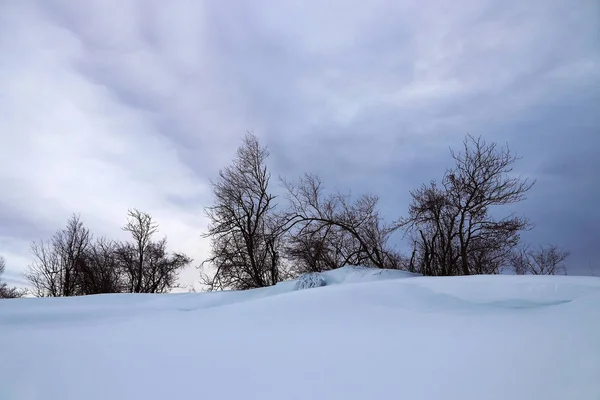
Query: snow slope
x=367 y=334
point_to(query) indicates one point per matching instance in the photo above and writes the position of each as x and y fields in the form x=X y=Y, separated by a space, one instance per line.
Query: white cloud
x=69 y=145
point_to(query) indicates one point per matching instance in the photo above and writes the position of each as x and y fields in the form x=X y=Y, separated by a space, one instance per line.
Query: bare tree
x=482 y=178
x=72 y=243
x=58 y=263
x=245 y=231
x=96 y=270
x=330 y=231
x=432 y=226
x=7 y=292
x=315 y=250
x=101 y=271
x=542 y=260
x=147 y=265
x=520 y=261
x=549 y=260
x=141 y=227
x=72 y=264
x=452 y=226
x=44 y=273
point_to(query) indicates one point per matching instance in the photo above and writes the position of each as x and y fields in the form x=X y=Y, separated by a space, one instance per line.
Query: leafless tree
x=482 y=178
x=330 y=231
x=71 y=263
x=542 y=260
x=549 y=260
x=141 y=227
x=520 y=260
x=432 y=228
x=148 y=266
x=44 y=273
x=58 y=262
x=451 y=224
x=316 y=250
x=101 y=271
x=245 y=231
x=7 y=292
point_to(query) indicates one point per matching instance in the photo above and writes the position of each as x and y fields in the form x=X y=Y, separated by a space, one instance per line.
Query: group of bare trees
x=330 y=230
x=540 y=260
x=73 y=263
x=453 y=225
x=7 y=292
x=255 y=243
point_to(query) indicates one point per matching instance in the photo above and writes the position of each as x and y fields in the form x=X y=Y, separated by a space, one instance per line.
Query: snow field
x=367 y=334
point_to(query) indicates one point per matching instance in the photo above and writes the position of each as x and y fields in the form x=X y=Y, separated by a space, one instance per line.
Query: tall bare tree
x=245 y=231
x=148 y=266
x=452 y=224
x=432 y=225
x=58 y=263
x=141 y=227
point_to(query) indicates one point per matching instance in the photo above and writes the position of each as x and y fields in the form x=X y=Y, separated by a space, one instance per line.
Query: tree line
x=451 y=223
x=259 y=239
x=74 y=263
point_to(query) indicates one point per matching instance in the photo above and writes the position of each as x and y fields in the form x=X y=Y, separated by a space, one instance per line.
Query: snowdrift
x=358 y=333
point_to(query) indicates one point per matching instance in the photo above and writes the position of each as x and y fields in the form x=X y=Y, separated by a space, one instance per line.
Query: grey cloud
x=526 y=74
x=18 y=226
x=369 y=95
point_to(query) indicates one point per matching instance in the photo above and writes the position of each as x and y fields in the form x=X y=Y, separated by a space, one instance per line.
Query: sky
x=107 y=105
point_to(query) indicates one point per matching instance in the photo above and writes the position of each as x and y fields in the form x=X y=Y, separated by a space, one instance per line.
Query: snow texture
x=380 y=335
x=310 y=280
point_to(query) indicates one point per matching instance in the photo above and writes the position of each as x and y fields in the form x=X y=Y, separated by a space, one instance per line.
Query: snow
x=347 y=275
x=310 y=280
x=366 y=334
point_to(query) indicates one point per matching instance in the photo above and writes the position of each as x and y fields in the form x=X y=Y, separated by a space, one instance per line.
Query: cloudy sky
x=111 y=104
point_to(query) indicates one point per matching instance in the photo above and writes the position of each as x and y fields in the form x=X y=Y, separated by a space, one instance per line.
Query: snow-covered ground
x=367 y=334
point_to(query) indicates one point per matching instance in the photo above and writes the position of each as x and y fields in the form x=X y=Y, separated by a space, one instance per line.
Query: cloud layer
x=107 y=105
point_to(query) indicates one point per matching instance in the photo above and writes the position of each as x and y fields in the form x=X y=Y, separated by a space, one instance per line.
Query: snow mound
x=511 y=290
x=349 y=274
x=361 y=274
x=380 y=334
x=310 y=280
